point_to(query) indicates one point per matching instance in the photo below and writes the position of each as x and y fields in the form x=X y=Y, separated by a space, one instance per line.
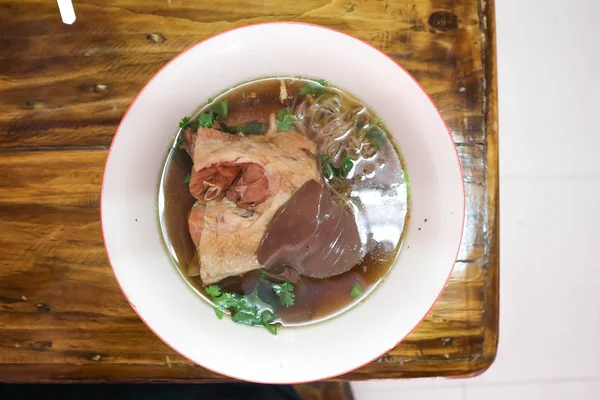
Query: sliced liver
x=312 y=234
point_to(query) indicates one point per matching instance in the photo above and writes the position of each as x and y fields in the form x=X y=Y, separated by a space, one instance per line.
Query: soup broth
x=361 y=169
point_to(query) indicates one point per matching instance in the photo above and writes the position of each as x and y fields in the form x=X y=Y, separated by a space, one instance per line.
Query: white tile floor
x=549 y=212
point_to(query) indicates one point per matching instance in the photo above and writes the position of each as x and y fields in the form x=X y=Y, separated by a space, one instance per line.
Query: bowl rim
x=271 y=23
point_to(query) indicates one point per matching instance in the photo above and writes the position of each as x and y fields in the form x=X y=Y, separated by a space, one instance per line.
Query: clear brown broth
x=383 y=198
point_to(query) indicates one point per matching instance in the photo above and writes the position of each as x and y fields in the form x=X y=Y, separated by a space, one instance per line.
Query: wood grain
x=75 y=92
x=64 y=89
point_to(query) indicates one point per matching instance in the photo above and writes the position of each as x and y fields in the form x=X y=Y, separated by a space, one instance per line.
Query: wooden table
x=64 y=89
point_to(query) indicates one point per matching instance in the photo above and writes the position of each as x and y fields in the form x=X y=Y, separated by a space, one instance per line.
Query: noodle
x=338 y=125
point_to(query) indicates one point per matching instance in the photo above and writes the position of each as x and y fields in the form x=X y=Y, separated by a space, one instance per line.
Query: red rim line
x=354 y=38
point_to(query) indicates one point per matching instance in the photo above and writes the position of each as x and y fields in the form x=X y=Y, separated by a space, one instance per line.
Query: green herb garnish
x=284 y=292
x=187 y=179
x=224 y=108
x=185 y=121
x=206 y=120
x=217 y=110
x=329 y=171
x=356 y=291
x=221 y=109
x=285 y=119
x=376 y=135
x=213 y=291
x=243 y=95
x=253 y=128
x=347 y=165
x=314 y=87
x=246 y=309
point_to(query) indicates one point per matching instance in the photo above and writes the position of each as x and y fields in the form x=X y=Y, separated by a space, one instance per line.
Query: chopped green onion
x=252 y=128
x=206 y=120
x=329 y=171
x=223 y=109
x=347 y=165
x=356 y=291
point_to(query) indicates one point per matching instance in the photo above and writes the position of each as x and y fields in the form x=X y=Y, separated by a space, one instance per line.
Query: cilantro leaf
x=188 y=178
x=247 y=309
x=284 y=292
x=245 y=316
x=205 y=119
x=285 y=119
x=314 y=87
x=184 y=122
x=213 y=290
x=268 y=321
x=356 y=291
x=347 y=165
x=228 y=300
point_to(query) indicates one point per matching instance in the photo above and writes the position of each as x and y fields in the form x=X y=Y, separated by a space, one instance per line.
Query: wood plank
x=190 y=373
x=62 y=315
x=75 y=92
x=60 y=303
x=492 y=287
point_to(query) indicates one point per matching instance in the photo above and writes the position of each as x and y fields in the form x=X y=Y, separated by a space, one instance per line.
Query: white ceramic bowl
x=174 y=311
